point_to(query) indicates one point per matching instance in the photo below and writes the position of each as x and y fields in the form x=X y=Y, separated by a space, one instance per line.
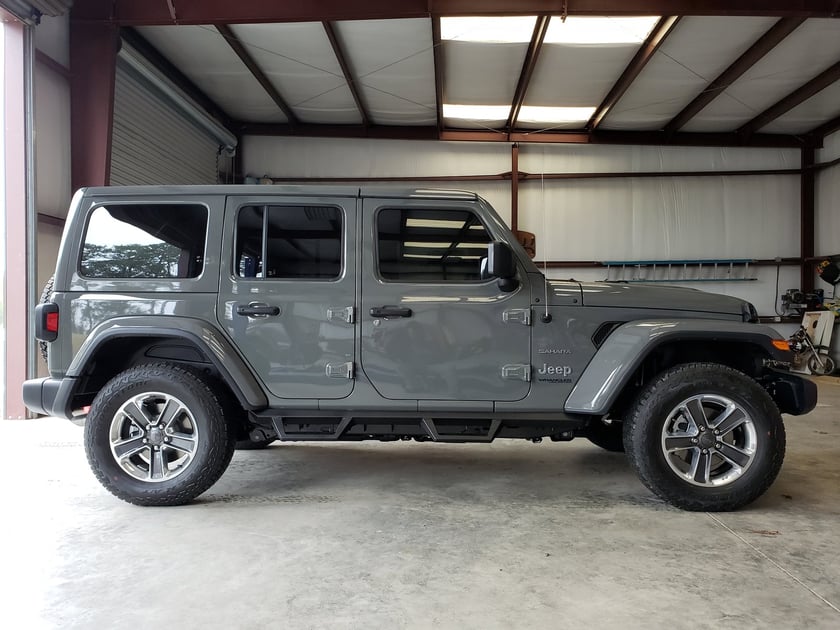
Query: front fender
x=217 y=348
x=626 y=348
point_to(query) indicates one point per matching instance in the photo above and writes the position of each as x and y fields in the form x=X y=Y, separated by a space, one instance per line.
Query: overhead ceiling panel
x=202 y=54
x=816 y=110
x=692 y=56
x=481 y=73
x=805 y=53
x=393 y=61
x=575 y=75
x=299 y=61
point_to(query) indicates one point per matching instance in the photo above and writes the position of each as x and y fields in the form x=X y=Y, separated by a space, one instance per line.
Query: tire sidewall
x=214 y=438
x=643 y=437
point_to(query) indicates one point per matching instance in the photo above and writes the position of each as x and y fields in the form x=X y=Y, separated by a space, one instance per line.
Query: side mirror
x=501 y=265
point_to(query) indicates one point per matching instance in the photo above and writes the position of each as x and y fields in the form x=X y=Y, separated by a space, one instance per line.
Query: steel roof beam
x=826 y=128
x=761 y=47
x=528 y=66
x=345 y=68
x=565 y=137
x=645 y=53
x=797 y=97
x=144 y=12
x=240 y=50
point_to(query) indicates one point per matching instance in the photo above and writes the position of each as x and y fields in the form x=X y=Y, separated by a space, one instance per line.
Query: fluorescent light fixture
x=434 y=223
x=536 y=114
x=472 y=245
x=428 y=245
x=600 y=30
x=421 y=256
x=476 y=112
x=496 y=30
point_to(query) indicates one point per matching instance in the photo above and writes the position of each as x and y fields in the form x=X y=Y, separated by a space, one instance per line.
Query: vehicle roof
x=302 y=190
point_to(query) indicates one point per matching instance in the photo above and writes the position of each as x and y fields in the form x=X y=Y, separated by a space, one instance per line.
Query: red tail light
x=51 y=325
x=46 y=321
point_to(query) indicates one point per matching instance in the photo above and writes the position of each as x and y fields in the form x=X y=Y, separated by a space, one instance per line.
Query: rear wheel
x=705 y=437
x=156 y=435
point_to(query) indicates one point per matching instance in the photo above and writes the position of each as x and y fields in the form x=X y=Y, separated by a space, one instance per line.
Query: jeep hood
x=654 y=296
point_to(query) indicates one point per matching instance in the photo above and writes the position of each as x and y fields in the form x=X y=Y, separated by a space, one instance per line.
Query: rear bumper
x=792 y=393
x=49 y=396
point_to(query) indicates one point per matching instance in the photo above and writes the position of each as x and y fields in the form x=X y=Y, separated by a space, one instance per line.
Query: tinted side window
x=145 y=241
x=289 y=242
x=430 y=245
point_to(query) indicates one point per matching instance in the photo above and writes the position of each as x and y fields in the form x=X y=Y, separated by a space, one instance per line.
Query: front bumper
x=49 y=396
x=792 y=394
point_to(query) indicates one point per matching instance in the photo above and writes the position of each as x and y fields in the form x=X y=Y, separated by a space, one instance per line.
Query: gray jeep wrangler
x=186 y=320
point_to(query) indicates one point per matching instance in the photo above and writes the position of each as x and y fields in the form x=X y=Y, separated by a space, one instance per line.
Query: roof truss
x=761 y=47
x=657 y=36
x=132 y=12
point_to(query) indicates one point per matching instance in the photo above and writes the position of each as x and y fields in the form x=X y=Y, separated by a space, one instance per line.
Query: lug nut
x=705 y=450
x=702 y=428
x=717 y=445
x=694 y=440
x=145 y=441
x=157 y=448
x=717 y=432
x=169 y=439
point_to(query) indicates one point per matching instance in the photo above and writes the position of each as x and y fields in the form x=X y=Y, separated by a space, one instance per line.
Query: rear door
x=432 y=330
x=287 y=292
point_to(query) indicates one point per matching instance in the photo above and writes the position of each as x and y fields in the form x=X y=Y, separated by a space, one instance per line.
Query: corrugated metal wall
x=154 y=142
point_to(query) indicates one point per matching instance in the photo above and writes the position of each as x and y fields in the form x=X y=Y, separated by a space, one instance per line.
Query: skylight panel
x=476 y=112
x=574 y=30
x=535 y=114
x=600 y=30
x=494 y=30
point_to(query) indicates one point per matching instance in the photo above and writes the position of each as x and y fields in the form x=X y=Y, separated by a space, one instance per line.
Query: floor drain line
x=773 y=562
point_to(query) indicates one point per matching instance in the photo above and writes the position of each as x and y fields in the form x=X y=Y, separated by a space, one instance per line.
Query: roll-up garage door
x=153 y=141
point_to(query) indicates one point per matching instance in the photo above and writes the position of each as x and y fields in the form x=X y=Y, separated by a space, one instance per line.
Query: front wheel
x=705 y=437
x=156 y=435
x=821 y=365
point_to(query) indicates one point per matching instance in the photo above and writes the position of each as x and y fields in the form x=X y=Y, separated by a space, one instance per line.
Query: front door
x=287 y=293
x=431 y=328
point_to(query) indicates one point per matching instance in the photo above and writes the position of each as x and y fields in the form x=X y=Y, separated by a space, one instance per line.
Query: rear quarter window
x=144 y=241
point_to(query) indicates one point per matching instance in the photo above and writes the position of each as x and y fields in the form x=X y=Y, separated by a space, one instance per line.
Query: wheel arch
x=122 y=342
x=636 y=351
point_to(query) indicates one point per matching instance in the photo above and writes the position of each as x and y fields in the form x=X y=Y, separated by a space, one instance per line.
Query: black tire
x=827 y=367
x=191 y=451
x=46 y=295
x=609 y=437
x=757 y=443
x=254 y=445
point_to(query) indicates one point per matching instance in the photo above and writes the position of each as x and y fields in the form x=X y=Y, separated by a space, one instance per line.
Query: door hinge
x=345 y=314
x=340 y=370
x=517 y=372
x=517 y=316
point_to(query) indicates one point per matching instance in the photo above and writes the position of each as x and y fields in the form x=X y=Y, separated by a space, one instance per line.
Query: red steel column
x=15 y=201
x=93 y=63
x=514 y=188
x=806 y=214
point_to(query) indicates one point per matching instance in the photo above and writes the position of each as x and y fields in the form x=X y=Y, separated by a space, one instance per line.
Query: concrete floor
x=405 y=535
